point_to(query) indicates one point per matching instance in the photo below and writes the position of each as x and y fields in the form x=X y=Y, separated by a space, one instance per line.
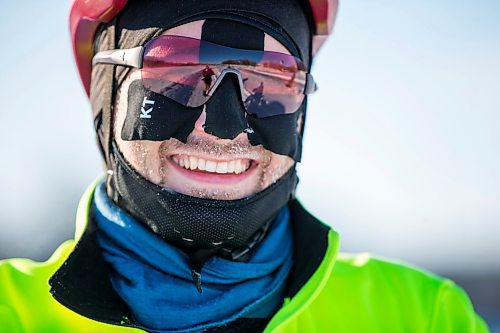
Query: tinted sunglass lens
x=273 y=83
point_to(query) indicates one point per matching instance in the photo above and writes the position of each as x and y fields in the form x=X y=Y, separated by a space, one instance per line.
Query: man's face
x=206 y=166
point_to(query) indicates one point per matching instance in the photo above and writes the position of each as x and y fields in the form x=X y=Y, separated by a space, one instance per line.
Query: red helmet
x=85 y=17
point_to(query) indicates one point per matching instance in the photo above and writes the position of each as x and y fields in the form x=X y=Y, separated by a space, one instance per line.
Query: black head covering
x=288 y=21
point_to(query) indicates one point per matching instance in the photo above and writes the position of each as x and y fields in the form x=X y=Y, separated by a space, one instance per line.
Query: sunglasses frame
x=133 y=57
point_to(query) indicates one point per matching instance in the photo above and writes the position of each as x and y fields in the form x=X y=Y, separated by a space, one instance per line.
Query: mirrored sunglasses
x=189 y=70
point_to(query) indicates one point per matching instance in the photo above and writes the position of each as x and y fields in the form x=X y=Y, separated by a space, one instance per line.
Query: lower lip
x=214 y=178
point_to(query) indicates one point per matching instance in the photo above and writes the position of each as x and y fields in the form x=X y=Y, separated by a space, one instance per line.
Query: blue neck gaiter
x=154 y=277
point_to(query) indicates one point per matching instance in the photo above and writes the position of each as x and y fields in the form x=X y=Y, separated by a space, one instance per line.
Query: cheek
x=144 y=157
x=277 y=166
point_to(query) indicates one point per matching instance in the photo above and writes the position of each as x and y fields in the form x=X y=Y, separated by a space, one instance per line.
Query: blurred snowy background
x=402 y=146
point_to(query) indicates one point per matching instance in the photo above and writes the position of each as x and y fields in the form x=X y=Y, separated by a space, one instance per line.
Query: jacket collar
x=82 y=283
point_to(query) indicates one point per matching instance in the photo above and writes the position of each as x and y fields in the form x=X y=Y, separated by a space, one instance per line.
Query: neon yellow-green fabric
x=347 y=293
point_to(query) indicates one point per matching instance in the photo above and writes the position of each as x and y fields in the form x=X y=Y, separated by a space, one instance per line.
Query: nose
x=225 y=113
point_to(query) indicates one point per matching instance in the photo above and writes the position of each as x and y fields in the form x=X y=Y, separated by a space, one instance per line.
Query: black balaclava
x=201 y=226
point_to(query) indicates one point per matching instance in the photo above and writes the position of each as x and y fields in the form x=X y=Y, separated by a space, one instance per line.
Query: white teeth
x=201 y=164
x=221 y=167
x=210 y=166
x=230 y=167
x=194 y=163
x=237 y=167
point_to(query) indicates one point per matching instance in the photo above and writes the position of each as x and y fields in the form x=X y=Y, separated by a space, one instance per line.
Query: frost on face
x=141 y=156
x=154 y=161
x=277 y=173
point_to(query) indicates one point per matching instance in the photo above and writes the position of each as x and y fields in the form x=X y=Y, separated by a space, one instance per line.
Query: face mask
x=152 y=116
x=140 y=22
x=263 y=98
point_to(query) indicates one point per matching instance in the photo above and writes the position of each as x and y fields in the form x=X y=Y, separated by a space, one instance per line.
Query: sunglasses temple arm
x=311 y=86
x=126 y=57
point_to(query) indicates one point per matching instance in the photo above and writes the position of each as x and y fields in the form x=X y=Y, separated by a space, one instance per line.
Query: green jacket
x=329 y=292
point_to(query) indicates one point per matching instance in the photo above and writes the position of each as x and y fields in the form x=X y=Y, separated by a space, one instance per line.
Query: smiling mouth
x=193 y=163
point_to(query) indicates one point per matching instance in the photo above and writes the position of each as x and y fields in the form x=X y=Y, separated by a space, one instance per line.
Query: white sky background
x=402 y=146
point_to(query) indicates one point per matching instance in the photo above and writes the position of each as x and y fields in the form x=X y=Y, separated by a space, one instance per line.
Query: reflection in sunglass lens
x=185 y=70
